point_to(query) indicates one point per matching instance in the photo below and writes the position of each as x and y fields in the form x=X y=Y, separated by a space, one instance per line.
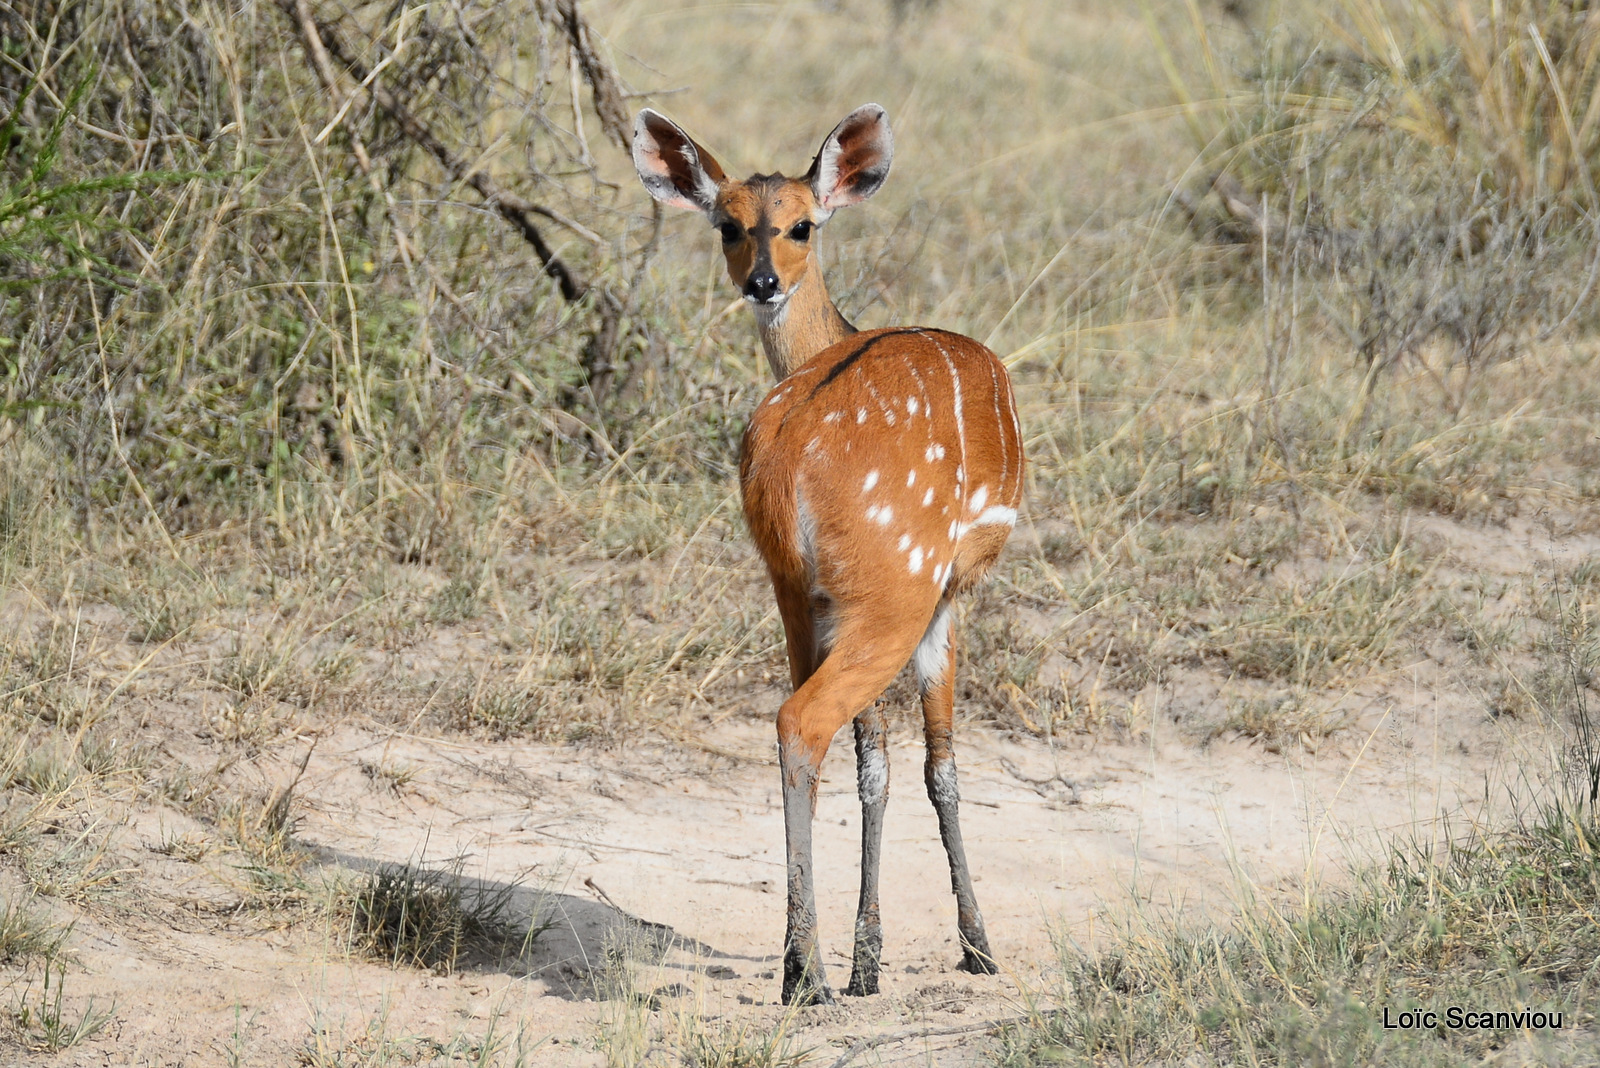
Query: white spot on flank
x=832 y=417
x=996 y=515
x=905 y=542
x=953 y=528
x=927 y=498
x=911 y=405
x=955 y=390
x=961 y=475
x=872 y=480
x=888 y=416
x=911 y=477
x=979 y=496
x=922 y=389
x=916 y=560
x=861 y=415
x=885 y=514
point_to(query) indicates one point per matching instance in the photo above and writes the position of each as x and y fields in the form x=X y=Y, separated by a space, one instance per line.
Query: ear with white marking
x=854 y=161
x=673 y=168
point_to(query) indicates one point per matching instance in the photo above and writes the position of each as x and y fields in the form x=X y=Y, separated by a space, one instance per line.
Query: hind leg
x=868 y=651
x=872 y=783
x=936 y=661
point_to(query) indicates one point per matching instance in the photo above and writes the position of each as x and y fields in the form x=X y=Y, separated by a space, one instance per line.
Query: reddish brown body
x=881 y=477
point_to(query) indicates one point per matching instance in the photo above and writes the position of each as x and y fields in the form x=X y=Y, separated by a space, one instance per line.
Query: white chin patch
x=772 y=312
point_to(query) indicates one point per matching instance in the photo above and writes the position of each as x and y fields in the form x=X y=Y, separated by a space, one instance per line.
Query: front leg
x=872 y=783
x=804 y=982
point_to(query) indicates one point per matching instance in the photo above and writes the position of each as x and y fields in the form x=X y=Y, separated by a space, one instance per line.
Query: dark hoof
x=862 y=985
x=977 y=963
x=801 y=994
x=865 y=966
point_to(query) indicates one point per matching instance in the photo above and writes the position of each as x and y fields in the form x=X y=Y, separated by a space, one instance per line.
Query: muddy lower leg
x=803 y=980
x=872 y=783
x=939 y=772
x=868 y=651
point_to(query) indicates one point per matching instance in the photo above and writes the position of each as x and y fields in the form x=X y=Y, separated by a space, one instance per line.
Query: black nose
x=762 y=285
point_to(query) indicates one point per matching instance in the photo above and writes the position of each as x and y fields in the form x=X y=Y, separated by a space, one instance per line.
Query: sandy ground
x=691 y=844
x=676 y=853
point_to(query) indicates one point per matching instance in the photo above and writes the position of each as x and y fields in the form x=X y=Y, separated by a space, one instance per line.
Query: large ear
x=672 y=167
x=854 y=161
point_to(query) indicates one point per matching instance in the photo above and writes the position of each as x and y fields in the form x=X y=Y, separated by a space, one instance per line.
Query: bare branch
x=322 y=37
x=610 y=102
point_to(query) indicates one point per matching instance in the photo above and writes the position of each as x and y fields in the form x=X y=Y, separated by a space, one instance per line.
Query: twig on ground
x=861 y=1045
x=1047 y=788
x=603 y=896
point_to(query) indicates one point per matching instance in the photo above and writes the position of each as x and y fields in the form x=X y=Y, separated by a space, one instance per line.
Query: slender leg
x=936 y=661
x=804 y=982
x=803 y=978
x=872 y=783
x=865 y=658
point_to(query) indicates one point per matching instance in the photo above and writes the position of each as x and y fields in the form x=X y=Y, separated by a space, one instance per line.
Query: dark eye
x=801 y=231
x=730 y=232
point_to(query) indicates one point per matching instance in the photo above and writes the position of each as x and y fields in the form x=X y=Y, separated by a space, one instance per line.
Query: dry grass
x=44 y=1022
x=648 y=1021
x=1226 y=439
x=25 y=933
x=1495 y=921
x=375 y=1044
x=298 y=451
x=415 y=916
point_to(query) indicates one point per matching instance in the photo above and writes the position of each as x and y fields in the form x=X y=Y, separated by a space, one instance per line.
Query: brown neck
x=802 y=325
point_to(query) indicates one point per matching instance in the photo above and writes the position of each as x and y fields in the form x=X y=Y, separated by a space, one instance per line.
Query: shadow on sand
x=570 y=943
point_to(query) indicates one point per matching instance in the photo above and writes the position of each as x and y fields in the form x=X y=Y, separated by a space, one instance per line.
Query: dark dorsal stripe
x=844 y=365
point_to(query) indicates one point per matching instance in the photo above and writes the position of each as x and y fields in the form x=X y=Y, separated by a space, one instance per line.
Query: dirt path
x=692 y=844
